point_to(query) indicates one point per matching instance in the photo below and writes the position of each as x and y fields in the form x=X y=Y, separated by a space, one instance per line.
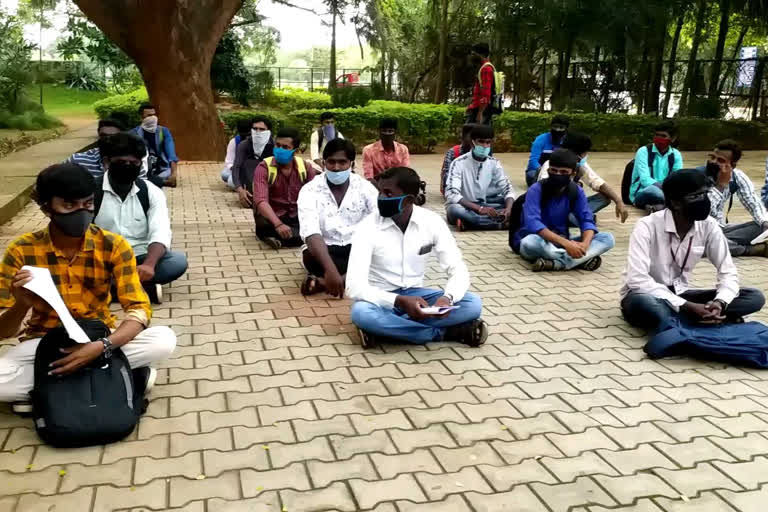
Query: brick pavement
x=269 y=403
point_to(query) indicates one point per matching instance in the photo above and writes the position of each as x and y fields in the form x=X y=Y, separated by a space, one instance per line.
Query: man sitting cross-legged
x=330 y=209
x=478 y=194
x=389 y=255
x=543 y=238
x=137 y=210
x=84 y=260
x=93 y=160
x=276 y=184
x=663 y=250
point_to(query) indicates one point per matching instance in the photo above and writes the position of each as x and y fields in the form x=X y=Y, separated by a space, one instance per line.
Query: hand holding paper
x=42 y=285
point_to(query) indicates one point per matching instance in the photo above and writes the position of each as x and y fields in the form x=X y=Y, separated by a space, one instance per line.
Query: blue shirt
x=641 y=174
x=542 y=145
x=552 y=214
x=167 y=150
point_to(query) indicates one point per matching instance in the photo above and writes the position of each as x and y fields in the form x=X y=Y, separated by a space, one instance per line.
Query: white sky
x=298 y=29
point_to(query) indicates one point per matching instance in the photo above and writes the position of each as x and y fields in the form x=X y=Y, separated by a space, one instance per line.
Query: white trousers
x=17 y=365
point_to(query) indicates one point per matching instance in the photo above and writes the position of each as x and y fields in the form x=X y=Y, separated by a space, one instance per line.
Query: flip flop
x=308 y=285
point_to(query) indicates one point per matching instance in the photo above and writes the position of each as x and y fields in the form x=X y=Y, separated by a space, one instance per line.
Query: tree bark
x=332 y=84
x=442 y=83
x=701 y=12
x=173 y=48
x=652 y=100
x=672 y=58
x=717 y=65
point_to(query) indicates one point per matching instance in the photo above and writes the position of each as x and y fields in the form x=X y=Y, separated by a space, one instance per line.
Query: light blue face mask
x=583 y=161
x=283 y=156
x=337 y=177
x=481 y=152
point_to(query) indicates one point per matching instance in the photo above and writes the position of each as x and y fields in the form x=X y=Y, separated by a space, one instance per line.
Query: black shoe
x=273 y=243
x=592 y=264
x=144 y=380
x=472 y=333
x=367 y=340
x=154 y=292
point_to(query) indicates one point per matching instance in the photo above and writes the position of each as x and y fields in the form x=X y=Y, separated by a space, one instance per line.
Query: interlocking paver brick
x=643 y=505
x=35 y=503
x=335 y=496
x=705 y=503
x=365 y=424
x=515 y=451
x=684 y=431
x=389 y=466
x=434 y=435
x=291 y=477
x=690 y=482
x=398 y=386
x=48 y=456
x=626 y=489
x=574 y=444
x=237 y=400
x=306 y=430
x=359 y=466
x=749 y=475
x=457 y=458
x=472 y=432
x=568 y=469
x=18 y=460
x=211 y=421
x=283 y=454
x=403 y=487
x=345 y=446
x=183 y=490
x=752 y=501
x=300 y=411
x=451 y=504
x=247 y=436
x=628 y=462
x=561 y=497
x=503 y=478
x=740 y=425
x=369 y=388
x=447 y=413
x=519 y=499
x=330 y=408
x=152 y=495
x=386 y=403
x=148 y=469
x=438 y=486
x=630 y=437
x=216 y=462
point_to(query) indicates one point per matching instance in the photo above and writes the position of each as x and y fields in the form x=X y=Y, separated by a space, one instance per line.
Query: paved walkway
x=271 y=405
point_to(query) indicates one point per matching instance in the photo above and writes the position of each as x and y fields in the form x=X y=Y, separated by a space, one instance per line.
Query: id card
x=678 y=286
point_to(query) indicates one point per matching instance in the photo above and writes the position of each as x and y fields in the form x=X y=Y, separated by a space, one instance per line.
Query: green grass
x=62 y=102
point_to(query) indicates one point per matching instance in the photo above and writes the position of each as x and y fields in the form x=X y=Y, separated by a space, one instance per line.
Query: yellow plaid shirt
x=84 y=283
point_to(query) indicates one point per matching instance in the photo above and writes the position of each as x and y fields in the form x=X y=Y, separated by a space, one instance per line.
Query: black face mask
x=387 y=139
x=713 y=170
x=555 y=182
x=698 y=209
x=124 y=173
x=557 y=135
x=390 y=206
x=73 y=224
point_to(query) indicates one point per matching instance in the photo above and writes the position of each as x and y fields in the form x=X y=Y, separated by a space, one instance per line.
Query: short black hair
x=290 y=132
x=667 y=125
x=683 y=182
x=336 y=145
x=244 y=126
x=562 y=157
x=467 y=129
x=561 y=119
x=146 y=106
x=732 y=146
x=482 y=131
x=111 y=122
x=405 y=178
x=123 y=144
x=481 y=49
x=388 y=122
x=577 y=142
x=327 y=115
x=68 y=181
x=262 y=119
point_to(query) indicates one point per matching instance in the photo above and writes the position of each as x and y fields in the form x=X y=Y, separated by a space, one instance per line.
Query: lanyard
x=674 y=254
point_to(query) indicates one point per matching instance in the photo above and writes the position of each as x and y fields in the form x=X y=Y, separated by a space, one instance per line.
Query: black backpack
x=143 y=195
x=95 y=405
x=626 y=179
x=516 y=215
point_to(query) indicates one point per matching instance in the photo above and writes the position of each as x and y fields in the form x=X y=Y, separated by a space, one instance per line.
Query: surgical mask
x=390 y=206
x=698 y=209
x=149 y=124
x=260 y=140
x=583 y=162
x=557 y=135
x=73 y=224
x=283 y=156
x=337 y=177
x=481 y=152
x=124 y=172
x=556 y=181
x=662 y=144
x=329 y=132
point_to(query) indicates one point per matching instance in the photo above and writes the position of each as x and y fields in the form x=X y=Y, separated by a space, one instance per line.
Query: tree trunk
x=332 y=84
x=717 y=65
x=652 y=100
x=736 y=48
x=642 y=82
x=173 y=48
x=701 y=12
x=672 y=59
x=441 y=87
x=390 y=72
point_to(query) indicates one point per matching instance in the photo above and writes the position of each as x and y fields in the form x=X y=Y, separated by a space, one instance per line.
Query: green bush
x=30 y=117
x=231 y=117
x=289 y=100
x=125 y=106
x=354 y=96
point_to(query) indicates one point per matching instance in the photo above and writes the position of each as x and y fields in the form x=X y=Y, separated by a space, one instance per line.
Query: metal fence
x=314 y=78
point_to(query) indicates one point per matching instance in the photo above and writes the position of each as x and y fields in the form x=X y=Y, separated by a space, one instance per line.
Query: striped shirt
x=92 y=162
x=745 y=190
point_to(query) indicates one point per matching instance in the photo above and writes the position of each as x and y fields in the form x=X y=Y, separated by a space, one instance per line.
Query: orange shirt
x=376 y=160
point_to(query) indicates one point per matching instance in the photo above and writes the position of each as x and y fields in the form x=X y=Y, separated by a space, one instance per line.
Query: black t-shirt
x=149 y=139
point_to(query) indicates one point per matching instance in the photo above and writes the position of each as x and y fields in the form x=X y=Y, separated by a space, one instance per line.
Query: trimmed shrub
x=289 y=100
x=231 y=117
x=353 y=96
x=125 y=106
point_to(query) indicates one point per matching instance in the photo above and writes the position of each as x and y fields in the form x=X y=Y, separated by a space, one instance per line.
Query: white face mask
x=149 y=124
x=260 y=140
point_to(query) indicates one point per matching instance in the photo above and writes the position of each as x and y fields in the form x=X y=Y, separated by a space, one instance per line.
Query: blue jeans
x=170 y=267
x=648 y=312
x=533 y=247
x=455 y=211
x=649 y=195
x=394 y=323
x=226 y=177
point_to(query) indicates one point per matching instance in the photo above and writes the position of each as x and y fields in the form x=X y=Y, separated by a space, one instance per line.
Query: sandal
x=542 y=265
x=592 y=264
x=309 y=285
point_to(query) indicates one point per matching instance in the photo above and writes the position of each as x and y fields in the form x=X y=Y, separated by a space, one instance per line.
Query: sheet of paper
x=42 y=285
x=762 y=237
x=434 y=310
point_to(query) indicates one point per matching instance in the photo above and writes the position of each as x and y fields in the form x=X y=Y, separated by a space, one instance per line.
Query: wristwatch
x=107 y=347
x=722 y=304
x=450 y=297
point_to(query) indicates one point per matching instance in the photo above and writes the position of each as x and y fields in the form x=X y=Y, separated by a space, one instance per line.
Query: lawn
x=65 y=103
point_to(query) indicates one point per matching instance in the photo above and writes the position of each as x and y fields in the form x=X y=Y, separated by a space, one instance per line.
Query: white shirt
x=229 y=158
x=588 y=176
x=315 y=152
x=384 y=259
x=650 y=266
x=319 y=214
x=476 y=181
x=126 y=218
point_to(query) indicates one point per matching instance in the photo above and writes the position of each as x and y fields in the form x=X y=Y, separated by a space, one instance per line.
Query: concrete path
x=270 y=404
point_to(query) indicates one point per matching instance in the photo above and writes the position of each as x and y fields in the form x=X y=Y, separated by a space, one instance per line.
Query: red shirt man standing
x=479 y=110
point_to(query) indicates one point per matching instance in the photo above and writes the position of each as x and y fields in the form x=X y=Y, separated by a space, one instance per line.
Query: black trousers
x=265 y=229
x=339 y=255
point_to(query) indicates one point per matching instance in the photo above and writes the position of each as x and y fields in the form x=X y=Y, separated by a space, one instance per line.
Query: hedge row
x=289 y=100
x=124 y=106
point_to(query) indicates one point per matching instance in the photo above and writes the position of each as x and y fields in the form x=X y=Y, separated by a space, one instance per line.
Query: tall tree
x=690 y=72
x=441 y=89
x=173 y=48
x=336 y=10
x=717 y=64
x=668 y=84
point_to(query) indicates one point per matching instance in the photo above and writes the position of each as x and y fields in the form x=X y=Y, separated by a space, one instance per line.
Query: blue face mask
x=337 y=177
x=390 y=206
x=283 y=156
x=583 y=161
x=481 y=152
x=329 y=131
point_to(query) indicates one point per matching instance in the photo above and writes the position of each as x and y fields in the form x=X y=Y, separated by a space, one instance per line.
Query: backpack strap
x=493 y=80
x=98 y=195
x=143 y=195
x=671 y=160
x=161 y=135
x=272 y=169
x=651 y=159
x=302 y=168
x=237 y=140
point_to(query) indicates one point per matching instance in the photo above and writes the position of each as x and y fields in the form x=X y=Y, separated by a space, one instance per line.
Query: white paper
x=435 y=310
x=42 y=285
x=762 y=237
